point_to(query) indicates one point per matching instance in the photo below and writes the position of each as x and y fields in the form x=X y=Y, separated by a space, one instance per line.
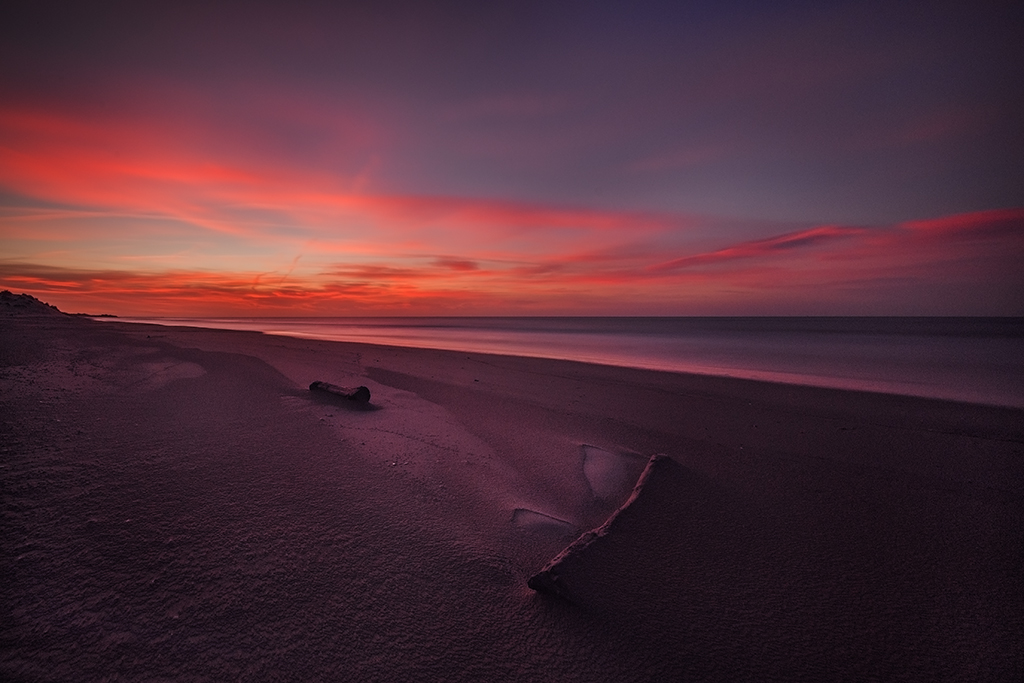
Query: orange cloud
x=919 y=266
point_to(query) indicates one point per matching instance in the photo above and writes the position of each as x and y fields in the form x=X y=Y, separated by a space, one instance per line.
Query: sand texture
x=179 y=506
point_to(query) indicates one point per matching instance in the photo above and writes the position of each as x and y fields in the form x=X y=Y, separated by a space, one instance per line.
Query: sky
x=551 y=158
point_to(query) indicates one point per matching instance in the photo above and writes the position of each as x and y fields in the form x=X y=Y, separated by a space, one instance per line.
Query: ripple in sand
x=166 y=370
x=532 y=520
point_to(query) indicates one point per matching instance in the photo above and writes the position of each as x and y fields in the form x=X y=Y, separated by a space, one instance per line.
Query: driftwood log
x=567 y=566
x=359 y=394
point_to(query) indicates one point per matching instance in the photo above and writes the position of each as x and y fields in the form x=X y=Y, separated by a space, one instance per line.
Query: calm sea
x=979 y=360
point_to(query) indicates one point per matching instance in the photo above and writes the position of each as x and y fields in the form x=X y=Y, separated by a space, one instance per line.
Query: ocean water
x=977 y=360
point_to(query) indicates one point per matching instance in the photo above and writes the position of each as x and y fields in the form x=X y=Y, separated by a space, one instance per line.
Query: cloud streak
x=802 y=239
x=132 y=169
x=881 y=270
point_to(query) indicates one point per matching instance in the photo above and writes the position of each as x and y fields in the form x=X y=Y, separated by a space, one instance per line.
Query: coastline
x=971 y=360
x=810 y=532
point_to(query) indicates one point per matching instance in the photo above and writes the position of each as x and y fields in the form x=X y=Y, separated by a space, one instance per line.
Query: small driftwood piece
x=359 y=394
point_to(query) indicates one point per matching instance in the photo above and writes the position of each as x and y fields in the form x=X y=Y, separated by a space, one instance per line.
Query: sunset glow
x=598 y=161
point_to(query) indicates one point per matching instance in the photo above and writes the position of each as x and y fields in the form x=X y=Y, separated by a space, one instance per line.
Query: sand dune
x=178 y=505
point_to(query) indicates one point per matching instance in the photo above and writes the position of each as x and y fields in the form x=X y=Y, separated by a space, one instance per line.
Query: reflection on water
x=979 y=360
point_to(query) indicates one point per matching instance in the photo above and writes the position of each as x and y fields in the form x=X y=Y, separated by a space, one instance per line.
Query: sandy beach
x=178 y=506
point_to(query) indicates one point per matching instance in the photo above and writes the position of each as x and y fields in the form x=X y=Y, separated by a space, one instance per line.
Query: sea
x=975 y=360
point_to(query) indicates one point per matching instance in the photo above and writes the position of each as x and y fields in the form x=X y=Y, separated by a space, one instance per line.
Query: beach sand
x=178 y=506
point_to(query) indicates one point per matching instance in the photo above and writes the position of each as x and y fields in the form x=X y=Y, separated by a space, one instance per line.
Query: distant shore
x=179 y=505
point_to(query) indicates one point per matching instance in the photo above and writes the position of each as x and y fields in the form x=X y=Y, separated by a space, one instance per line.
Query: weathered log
x=557 y=575
x=359 y=394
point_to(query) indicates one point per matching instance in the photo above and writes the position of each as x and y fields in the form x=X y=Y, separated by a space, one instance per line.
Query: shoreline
x=942 y=414
x=274 y=533
x=1007 y=396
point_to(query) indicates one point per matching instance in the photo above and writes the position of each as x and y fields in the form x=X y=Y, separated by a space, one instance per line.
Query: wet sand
x=177 y=505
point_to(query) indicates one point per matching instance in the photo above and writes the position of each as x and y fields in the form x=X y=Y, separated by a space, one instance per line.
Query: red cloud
x=462 y=265
x=794 y=240
x=162 y=167
x=922 y=266
x=981 y=224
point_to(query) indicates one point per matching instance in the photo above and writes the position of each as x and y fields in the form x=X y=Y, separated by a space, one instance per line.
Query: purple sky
x=476 y=158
